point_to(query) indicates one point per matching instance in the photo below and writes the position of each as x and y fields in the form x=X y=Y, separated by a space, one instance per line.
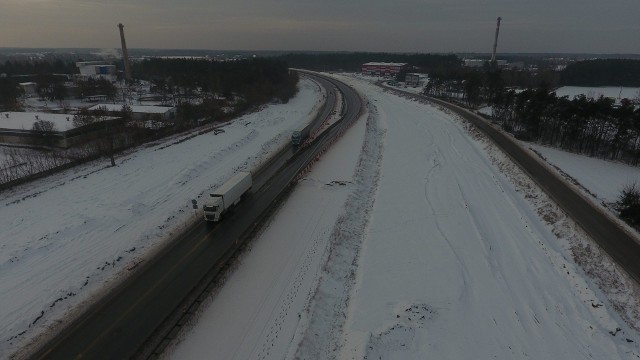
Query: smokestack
x=495 y=43
x=125 y=54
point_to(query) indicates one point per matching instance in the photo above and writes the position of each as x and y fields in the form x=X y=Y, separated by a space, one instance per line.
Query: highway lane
x=269 y=169
x=120 y=322
x=621 y=245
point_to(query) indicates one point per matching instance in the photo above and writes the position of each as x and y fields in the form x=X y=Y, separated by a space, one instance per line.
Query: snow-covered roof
x=145 y=109
x=25 y=120
x=384 y=64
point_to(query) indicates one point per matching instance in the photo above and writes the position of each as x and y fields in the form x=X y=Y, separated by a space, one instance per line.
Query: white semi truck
x=227 y=195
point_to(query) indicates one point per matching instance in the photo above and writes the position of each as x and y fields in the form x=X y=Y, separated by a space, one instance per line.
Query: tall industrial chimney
x=495 y=43
x=125 y=54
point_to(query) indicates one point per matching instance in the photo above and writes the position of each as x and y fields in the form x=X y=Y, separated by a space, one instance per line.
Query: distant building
x=29 y=88
x=143 y=112
x=412 y=79
x=17 y=128
x=478 y=63
x=96 y=69
x=384 y=69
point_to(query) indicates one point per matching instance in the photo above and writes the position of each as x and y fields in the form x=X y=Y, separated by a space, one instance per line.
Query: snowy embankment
x=439 y=248
x=603 y=179
x=68 y=237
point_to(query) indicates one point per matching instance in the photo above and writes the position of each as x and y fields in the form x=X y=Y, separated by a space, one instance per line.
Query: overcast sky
x=585 y=26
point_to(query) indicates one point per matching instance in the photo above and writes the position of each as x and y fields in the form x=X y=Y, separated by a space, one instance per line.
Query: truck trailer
x=226 y=196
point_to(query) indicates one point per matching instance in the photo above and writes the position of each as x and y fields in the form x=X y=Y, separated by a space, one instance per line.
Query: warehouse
x=141 y=112
x=384 y=69
x=96 y=69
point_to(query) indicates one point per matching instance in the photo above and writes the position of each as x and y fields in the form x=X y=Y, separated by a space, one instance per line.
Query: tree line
x=243 y=84
x=602 y=72
x=58 y=66
x=596 y=127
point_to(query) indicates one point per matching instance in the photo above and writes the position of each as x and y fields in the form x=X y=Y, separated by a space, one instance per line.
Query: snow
x=68 y=237
x=614 y=92
x=486 y=110
x=25 y=120
x=437 y=247
x=146 y=109
x=411 y=238
x=412 y=89
x=603 y=178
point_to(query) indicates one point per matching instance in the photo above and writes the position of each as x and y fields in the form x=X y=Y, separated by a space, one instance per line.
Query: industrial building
x=384 y=69
x=415 y=80
x=17 y=128
x=142 y=112
x=96 y=69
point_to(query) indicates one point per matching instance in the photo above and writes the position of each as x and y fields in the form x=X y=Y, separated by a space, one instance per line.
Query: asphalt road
x=117 y=325
x=621 y=245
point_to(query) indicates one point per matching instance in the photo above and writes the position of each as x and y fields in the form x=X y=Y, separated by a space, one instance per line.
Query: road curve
x=622 y=245
x=118 y=324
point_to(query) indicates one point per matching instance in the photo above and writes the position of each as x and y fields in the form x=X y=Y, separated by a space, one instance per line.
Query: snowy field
x=595 y=92
x=605 y=179
x=69 y=236
x=436 y=246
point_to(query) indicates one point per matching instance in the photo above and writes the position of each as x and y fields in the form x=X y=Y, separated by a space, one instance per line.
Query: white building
x=96 y=69
x=143 y=112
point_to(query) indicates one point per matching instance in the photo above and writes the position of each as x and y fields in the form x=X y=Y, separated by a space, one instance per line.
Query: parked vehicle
x=226 y=196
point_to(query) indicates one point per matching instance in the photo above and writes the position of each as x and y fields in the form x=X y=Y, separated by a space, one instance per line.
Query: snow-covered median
x=67 y=236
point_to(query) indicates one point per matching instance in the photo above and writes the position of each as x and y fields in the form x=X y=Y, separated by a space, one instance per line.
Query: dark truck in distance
x=297 y=138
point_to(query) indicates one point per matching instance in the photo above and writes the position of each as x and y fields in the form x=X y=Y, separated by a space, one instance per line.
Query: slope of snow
x=66 y=236
x=601 y=177
x=442 y=249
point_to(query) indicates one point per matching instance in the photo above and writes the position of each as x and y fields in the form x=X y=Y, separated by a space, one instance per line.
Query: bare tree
x=44 y=125
x=82 y=118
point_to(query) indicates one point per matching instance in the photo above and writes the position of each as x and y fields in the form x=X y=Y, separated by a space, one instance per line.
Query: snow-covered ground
x=614 y=92
x=436 y=246
x=604 y=179
x=67 y=237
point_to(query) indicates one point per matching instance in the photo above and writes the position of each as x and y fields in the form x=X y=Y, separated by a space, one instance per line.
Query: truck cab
x=213 y=208
x=296 y=138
